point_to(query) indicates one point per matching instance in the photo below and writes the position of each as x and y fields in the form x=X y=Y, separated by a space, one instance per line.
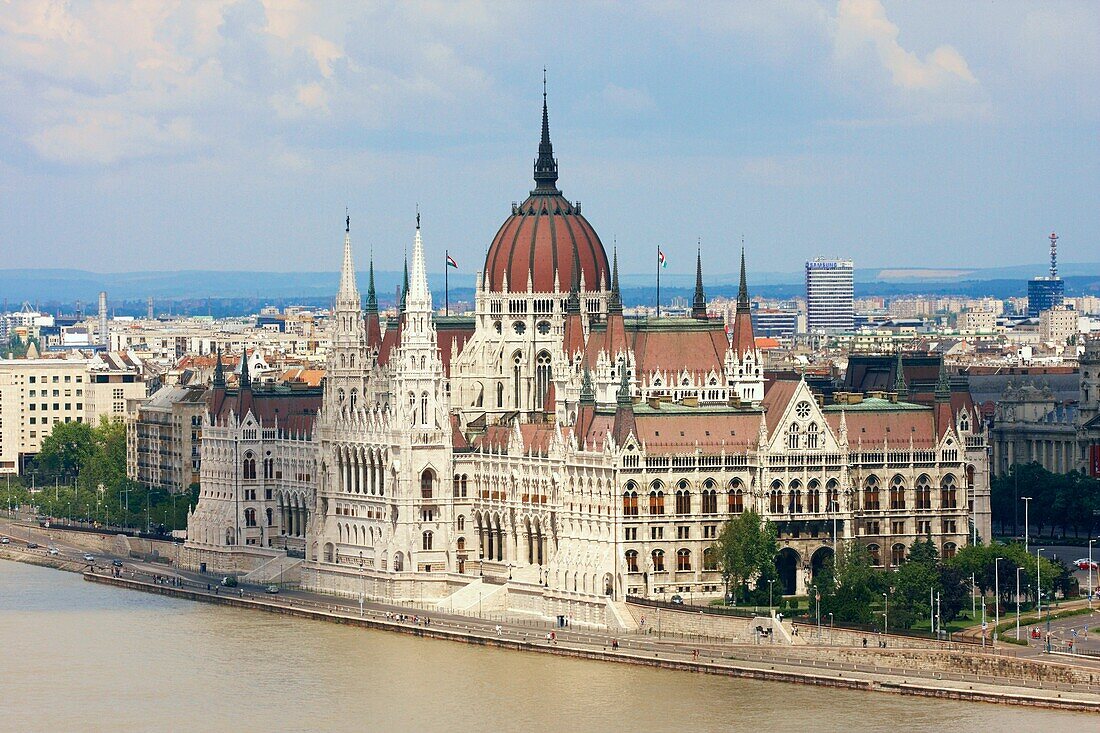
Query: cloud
x=862 y=25
x=106 y=136
x=623 y=99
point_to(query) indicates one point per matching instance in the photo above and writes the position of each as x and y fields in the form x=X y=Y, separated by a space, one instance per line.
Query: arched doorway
x=786 y=564
x=817 y=560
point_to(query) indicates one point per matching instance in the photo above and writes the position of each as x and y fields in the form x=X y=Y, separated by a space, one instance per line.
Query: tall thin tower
x=1053 y=256
x=104 y=341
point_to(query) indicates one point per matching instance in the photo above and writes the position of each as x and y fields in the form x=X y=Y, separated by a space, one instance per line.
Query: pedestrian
x=865 y=642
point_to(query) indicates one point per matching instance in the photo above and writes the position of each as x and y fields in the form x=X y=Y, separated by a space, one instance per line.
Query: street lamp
x=1027 y=505
x=886 y=614
x=1018 y=569
x=1090 y=573
x=996 y=599
x=770 y=612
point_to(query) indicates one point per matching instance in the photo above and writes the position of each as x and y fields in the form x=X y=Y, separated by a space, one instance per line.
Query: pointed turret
x=417 y=287
x=943 y=385
x=573 y=340
x=219 y=371
x=615 y=335
x=245 y=379
x=588 y=393
x=624 y=411
x=615 y=304
x=743 y=340
x=699 y=303
x=943 y=400
x=372 y=294
x=374 y=325
x=405 y=284
x=546 y=166
x=349 y=291
x=899 y=378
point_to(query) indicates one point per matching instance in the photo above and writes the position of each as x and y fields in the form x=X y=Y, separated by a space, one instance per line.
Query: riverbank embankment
x=667 y=656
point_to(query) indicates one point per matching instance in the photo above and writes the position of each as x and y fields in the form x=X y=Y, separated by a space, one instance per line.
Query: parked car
x=229 y=581
x=32 y=545
x=52 y=551
x=678 y=600
x=272 y=589
x=5 y=541
x=89 y=557
x=117 y=563
x=1084 y=563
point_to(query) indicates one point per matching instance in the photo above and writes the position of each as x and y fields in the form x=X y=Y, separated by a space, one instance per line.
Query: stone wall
x=971 y=662
x=692 y=622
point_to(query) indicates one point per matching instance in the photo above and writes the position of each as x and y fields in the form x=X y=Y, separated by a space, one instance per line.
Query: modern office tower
x=829 y=291
x=1044 y=293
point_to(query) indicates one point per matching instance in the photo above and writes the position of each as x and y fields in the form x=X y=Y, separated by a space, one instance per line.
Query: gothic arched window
x=542 y=378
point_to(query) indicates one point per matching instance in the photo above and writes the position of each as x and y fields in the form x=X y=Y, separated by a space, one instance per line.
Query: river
x=83 y=657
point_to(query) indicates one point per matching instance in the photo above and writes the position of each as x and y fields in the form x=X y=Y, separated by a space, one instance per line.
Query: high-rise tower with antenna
x=1044 y=293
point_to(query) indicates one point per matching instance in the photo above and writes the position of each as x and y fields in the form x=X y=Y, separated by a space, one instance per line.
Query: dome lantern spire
x=546 y=166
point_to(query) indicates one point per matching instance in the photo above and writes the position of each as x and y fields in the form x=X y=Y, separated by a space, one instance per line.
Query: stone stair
x=279 y=569
x=489 y=596
x=619 y=616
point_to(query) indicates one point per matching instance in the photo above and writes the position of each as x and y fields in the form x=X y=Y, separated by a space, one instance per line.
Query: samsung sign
x=828 y=265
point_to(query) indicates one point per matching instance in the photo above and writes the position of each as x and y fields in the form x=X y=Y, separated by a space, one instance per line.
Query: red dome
x=537 y=240
x=542 y=234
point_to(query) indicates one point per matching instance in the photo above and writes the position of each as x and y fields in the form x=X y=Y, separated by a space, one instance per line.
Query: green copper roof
x=875 y=404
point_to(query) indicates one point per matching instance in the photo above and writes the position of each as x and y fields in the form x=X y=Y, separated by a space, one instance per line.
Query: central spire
x=546 y=167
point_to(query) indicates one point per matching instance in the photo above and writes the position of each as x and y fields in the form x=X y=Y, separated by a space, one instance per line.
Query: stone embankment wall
x=930 y=661
x=692 y=623
x=728 y=667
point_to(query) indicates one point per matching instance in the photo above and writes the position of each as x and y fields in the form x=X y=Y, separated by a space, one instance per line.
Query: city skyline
x=231 y=137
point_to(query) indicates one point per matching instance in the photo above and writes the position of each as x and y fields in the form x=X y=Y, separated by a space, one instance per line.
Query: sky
x=232 y=134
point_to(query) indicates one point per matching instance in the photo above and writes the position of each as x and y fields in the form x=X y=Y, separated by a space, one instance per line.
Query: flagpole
x=447 y=283
x=658 y=281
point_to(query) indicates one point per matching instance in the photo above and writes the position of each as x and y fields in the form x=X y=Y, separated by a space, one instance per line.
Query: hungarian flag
x=661 y=258
x=451 y=262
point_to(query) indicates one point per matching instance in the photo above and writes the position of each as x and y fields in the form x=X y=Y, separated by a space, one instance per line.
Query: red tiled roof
x=675 y=432
x=873 y=427
x=775 y=402
x=697 y=350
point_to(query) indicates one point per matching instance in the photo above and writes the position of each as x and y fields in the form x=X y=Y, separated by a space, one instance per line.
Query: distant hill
x=224 y=292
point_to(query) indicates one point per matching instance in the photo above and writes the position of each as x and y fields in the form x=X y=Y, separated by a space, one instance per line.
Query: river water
x=77 y=656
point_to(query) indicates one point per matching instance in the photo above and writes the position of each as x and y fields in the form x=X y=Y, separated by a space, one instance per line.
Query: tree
x=913 y=584
x=850 y=588
x=745 y=547
x=66 y=451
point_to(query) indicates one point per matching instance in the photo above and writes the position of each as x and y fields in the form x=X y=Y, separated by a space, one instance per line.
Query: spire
x=943 y=385
x=219 y=372
x=246 y=381
x=899 y=378
x=405 y=285
x=588 y=394
x=622 y=397
x=573 y=304
x=418 y=290
x=372 y=296
x=546 y=167
x=349 y=291
x=743 y=291
x=616 y=303
x=699 y=303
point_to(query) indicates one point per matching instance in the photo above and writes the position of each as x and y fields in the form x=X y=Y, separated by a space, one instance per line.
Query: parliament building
x=549 y=456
